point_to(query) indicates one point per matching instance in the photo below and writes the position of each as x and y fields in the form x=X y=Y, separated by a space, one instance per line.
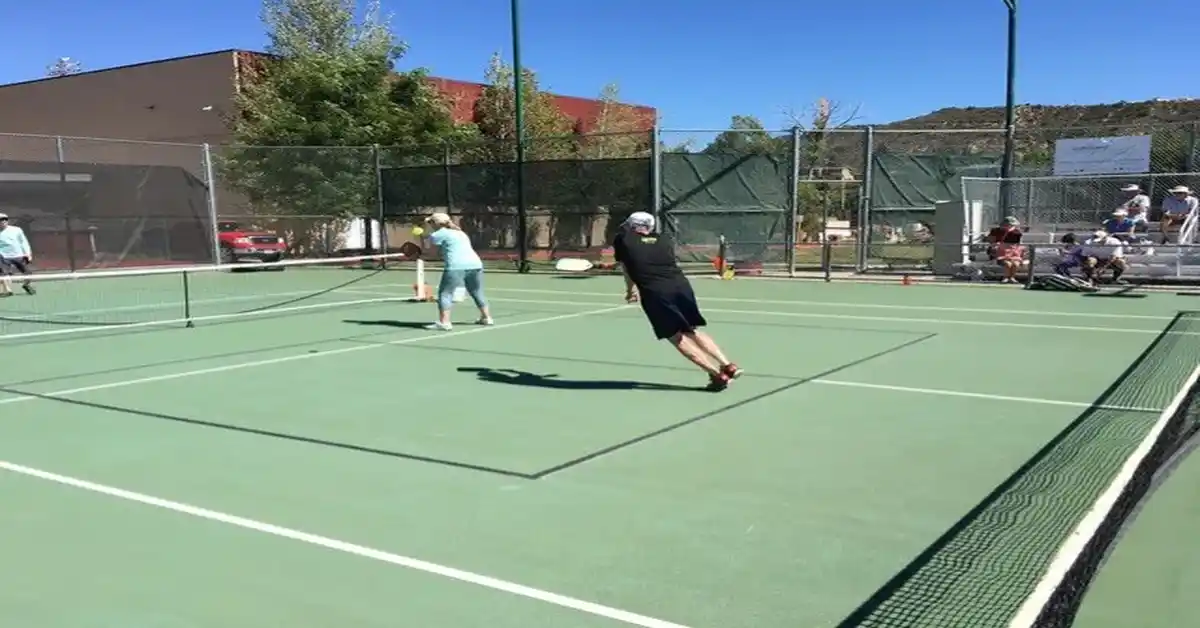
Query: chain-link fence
x=91 y=203
x=792 y=200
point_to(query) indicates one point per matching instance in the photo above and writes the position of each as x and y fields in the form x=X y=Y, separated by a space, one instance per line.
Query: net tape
x=72 y=303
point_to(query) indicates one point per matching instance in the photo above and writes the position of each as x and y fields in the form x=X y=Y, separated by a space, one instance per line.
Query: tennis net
x=76 y=303
x=1056 y=599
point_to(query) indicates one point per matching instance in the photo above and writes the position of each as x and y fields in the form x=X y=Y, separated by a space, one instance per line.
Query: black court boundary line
x=278 y=435
x=733 y=406
x=860 y=616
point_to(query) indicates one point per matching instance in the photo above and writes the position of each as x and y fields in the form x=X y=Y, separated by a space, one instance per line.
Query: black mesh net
x=985 y=567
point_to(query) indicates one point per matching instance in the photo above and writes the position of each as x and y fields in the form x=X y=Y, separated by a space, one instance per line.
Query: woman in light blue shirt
x=462 y=268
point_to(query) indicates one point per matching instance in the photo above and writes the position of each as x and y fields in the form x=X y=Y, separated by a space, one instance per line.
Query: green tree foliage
x=618 y=130
x=306 y=121
x=547 y=130
x=746 y=136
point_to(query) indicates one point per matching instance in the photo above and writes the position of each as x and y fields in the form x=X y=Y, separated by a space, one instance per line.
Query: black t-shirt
x=649 y=260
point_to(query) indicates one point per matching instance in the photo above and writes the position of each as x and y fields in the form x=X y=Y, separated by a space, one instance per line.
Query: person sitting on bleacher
x=1136 y=205
x=1120 y=225
x=1070 y=256
x=1100 y=252
x=1005 y=247
x=1176 y=207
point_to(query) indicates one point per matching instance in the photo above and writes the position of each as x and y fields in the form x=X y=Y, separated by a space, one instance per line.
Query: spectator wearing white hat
x=15 y=256
x=1177 y=206
x=1120 y=224
x=1136 y=205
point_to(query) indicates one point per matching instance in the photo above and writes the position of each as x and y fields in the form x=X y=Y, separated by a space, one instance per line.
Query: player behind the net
x=15 y=256
x=654 y=279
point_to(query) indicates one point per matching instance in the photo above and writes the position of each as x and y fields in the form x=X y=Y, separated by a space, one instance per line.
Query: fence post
x=446 y=171
x=379 y=209
x=68 y=206
x=1190 y=161
x=656 y=175
x=864 y=207
x=212 y=204
x=793 y=201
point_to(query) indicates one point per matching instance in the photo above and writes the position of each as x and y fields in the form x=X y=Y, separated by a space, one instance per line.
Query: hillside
x=1172 y=122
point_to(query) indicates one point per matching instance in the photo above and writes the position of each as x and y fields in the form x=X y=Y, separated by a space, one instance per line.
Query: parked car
x=244 y=245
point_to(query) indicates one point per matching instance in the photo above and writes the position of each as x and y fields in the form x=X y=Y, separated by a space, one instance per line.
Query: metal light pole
x=519 y=124
x=1010 y=97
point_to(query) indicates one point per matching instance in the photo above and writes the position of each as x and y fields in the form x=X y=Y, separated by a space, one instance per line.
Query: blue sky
x=698 y=61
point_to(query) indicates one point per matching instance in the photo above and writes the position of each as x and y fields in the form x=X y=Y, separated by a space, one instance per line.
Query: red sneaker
x=718 y=382
x=731 y=370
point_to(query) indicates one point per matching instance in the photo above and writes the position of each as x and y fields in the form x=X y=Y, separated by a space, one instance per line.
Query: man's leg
x=5 y=280
x=687 y=345
x=21 y=266
x=1089 y=268
x=689 y=310
x=1118 y=268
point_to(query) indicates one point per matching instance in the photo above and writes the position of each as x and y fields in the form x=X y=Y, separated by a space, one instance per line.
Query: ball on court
x=418 y=231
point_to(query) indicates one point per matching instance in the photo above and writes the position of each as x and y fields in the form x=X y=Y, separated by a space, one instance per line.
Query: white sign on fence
x=1102 y=155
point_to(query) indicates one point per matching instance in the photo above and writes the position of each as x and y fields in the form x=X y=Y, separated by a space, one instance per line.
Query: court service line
x=886 y=319
x=986 y=396
x=1071 y=550
x=224 y=368
x=875 y=306
x=345 y=547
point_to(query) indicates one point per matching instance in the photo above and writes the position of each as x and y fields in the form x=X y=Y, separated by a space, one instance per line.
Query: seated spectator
x=1071 y=256
x=1120 y=225
x=1103 y=251
x=1006 y=249
x=1176 y=207
x=1136 y=205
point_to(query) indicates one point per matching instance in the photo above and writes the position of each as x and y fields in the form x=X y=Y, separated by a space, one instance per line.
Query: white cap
x=1120 y=211
x=1132 y=187
x=3 y=216
x=640 y=220
x=1180 y=189
x=438 y=219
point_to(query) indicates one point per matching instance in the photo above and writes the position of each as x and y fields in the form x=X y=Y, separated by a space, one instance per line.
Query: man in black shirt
x=654 y=279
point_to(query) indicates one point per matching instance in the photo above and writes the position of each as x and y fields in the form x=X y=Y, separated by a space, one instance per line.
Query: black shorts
x=671 y=312
x=13 y=265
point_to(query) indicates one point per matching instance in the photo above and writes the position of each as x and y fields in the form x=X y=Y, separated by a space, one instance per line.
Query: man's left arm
x=25 y=245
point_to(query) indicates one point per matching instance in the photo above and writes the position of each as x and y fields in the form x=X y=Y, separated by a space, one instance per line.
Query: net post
x=187 y=301
x=722 y=256
x=864 y=205
x=212 y=204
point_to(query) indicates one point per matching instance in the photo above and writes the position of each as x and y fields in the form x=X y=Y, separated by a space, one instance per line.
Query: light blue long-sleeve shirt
x=13 y=243
x=457 y=252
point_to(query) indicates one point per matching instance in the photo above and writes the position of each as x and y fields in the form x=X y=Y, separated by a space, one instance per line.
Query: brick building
x=181 y=100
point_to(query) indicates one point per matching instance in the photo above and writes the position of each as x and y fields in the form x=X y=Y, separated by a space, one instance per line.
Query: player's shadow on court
x=525 y=378
x=389 y=323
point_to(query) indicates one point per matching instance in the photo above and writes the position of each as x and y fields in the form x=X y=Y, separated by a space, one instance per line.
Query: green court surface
x=894 y=456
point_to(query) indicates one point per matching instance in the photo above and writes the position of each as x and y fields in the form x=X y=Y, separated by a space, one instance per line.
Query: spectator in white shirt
x=1103 y=251
x=1177 y=206
x=1136 y=205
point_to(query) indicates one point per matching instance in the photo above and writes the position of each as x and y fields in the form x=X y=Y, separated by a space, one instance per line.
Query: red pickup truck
x=239 y=245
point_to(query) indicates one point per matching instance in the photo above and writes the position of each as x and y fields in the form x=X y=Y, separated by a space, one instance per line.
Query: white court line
x=891 y=319
x=1072 y=549
x=989 y=397
x=306 y=356
x=361 y=551
x=872 y=306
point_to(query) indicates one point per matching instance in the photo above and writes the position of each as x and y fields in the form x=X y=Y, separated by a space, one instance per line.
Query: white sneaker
x=440 y=326
x=486 y=320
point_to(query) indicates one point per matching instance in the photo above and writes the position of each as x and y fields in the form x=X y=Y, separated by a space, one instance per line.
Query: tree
x=618 y=130
x=307 y=119
x=746 y=136
x=822 y=190
x=548 y=131
x=64 y=66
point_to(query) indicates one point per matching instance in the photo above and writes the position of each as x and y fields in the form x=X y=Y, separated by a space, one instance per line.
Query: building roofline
x=125 y=67
x=231 y=51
